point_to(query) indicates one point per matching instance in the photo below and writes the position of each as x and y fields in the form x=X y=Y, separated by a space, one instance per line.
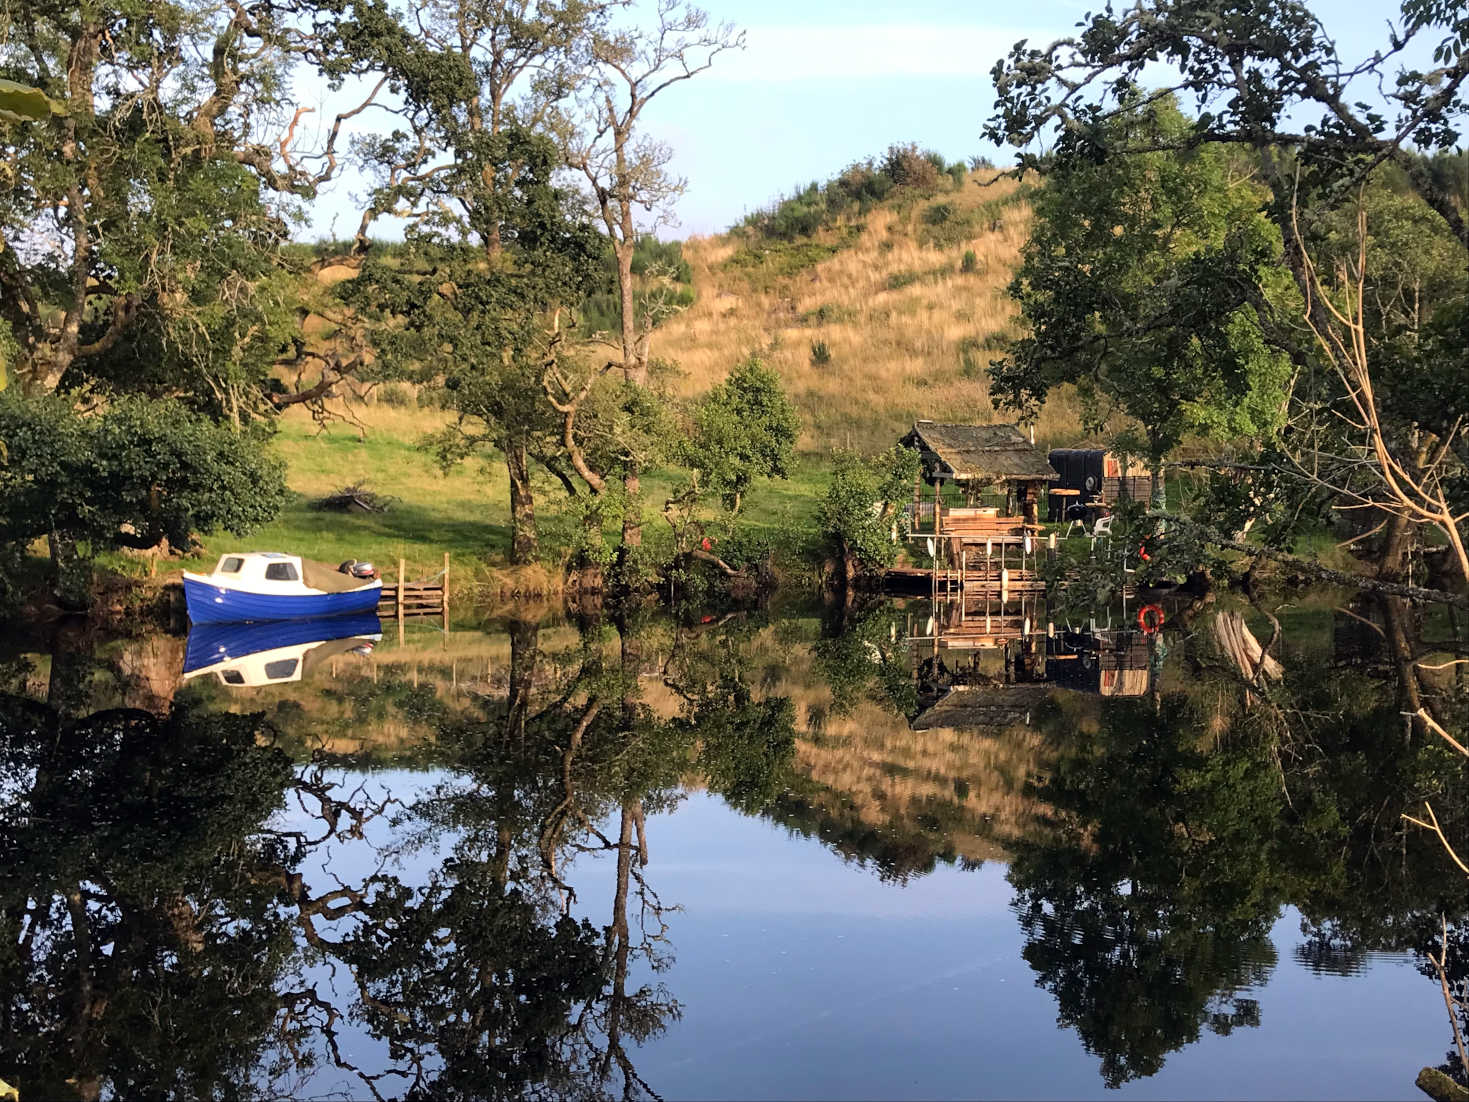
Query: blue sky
x=821 y=84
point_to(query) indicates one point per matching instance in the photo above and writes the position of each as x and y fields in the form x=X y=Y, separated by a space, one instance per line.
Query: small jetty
x=424 y=596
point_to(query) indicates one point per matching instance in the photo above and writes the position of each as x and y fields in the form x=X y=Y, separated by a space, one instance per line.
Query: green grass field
x=464 y=511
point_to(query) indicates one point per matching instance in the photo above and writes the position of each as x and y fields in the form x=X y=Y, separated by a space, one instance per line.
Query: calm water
x=897 y=852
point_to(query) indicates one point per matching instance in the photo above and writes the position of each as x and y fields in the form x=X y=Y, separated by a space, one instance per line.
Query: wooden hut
x=977 y=458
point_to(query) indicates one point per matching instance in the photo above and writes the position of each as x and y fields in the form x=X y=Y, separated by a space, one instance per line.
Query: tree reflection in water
x=164 y=933
x=1184 y=825
x=186 y=911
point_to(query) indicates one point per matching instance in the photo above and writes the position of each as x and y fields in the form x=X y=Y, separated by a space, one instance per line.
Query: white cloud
x=780 y=53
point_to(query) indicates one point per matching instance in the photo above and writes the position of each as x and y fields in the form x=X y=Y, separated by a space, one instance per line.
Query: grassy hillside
x=907 y=323
x=875 y=315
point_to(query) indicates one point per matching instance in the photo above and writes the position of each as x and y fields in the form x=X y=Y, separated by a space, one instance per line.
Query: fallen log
x=1319 y=572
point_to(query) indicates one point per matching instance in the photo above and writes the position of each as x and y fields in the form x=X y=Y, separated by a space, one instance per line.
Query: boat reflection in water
x=276 y=651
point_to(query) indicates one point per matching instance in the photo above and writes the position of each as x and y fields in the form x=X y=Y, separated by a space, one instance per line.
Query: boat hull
x=211 y=603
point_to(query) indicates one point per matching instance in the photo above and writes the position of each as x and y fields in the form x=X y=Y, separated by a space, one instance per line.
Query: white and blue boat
x=266 y=585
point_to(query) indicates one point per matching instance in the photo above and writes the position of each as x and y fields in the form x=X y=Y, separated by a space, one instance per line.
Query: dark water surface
x=895 y=852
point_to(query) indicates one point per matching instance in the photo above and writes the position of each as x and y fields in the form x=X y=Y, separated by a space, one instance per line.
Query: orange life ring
x=1150 y=619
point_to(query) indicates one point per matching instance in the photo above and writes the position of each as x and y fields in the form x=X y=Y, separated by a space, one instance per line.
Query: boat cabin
x=281 y=665
x=274 y=572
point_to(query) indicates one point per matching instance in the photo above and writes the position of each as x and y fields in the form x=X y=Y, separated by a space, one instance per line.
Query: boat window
x=232 y=677
x=231 y=565
x=281 y=572
x=281 y=667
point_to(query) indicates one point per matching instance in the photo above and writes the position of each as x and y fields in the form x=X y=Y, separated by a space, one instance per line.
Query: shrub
x=907 y=167
x=393 y=395
x=860 y=506
x=970 y=263
x=745 y=428
x=820 y=354
x=826 y=314
x=958 y=173
x=938 y=214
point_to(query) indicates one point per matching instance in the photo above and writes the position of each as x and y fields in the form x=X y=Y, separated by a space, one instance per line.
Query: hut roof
x=981 y=452
x=968 y=706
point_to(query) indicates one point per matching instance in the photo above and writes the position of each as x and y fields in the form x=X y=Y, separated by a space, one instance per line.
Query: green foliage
x=136 y=473
x=865 y=656
x=765 y=264
x=173 y=214
x=827 y=314
x=746 y=746
x=663 y=285
x=970 y=263
x=860 y=507
x=1142 y=285
x=944 y=226
x=745 y=428
x=393 y=396
x=820 y=354
x=898 y=280
x=853 y=192
x=469 y=311
x=1185 y=875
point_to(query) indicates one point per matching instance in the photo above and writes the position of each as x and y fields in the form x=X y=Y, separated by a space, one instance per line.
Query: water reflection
x=250 y=655
x=434 y=872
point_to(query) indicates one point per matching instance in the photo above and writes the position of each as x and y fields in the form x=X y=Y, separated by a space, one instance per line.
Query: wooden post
x=401 y=571
x=446 y=600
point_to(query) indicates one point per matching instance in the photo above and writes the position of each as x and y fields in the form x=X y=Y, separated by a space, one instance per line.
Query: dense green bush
x=820 y=354
x=859 y=510
x=132 y=475
x=745 y=428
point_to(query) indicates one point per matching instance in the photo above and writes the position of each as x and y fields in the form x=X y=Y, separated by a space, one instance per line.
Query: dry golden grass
x=871 y=763
x=897 y=352
x=898 y=315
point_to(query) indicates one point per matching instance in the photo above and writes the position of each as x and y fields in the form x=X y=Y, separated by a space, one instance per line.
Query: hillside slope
x=907 y=325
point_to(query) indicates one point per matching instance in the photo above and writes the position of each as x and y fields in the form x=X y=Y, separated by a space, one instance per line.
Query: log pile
x=356 y=498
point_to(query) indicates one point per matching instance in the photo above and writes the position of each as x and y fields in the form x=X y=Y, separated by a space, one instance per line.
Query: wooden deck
x=401 y=598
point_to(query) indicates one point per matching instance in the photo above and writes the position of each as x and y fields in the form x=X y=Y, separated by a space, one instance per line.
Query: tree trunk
x=71 y=575
x=1396 y=614
x=522 y=505
x=524 y=637
x=1397 y=542
x=1160 y=488
x=632 y=517
x=634 y=366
